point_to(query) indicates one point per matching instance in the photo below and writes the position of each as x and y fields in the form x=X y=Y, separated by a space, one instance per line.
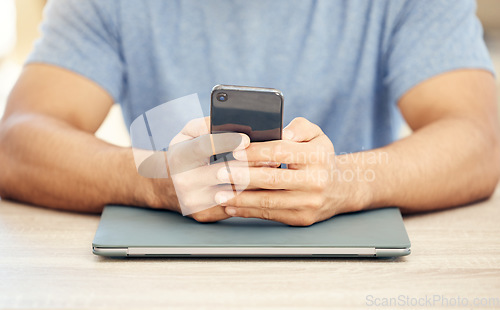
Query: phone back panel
x=259 y=114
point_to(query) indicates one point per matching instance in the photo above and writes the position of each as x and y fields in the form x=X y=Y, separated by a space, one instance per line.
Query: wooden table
x=46 y=261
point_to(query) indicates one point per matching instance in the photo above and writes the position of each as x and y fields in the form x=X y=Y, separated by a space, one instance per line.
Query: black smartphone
x=255 y=111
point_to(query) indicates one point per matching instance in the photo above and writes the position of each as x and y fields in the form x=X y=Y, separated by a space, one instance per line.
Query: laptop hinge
x=121 y=252
x=391 y=252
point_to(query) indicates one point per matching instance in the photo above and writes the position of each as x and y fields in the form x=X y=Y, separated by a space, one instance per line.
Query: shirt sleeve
x=431 y=37
x=82 y=36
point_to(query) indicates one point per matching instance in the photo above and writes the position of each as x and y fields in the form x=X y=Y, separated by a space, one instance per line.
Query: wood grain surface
x=46 y=262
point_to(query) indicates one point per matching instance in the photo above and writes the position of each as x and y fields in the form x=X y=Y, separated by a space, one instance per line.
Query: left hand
x=307 y=192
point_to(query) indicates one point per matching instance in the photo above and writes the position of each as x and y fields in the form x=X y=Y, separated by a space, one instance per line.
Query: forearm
x=447 y=163
x=47 y=162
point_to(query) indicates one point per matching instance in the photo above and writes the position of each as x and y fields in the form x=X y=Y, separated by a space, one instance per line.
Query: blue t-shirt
x=342 y=64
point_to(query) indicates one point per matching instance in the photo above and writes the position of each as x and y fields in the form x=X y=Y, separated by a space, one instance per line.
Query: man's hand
x=300 y=195
x=193 y=176
x=450 y=159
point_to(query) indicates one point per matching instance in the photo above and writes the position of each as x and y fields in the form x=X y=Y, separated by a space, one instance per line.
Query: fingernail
x=245 y=142
x=223 y=175
x=240 y=155
x=230 y=211
x=222 y=197
x=287 y=134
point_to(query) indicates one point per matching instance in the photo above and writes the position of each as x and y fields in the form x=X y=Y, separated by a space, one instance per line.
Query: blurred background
x=19 y=20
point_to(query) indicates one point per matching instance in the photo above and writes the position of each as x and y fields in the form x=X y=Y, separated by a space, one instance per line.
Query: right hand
x=194 y=178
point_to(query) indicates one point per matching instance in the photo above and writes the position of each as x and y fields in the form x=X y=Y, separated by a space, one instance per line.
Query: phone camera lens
x=222 y=97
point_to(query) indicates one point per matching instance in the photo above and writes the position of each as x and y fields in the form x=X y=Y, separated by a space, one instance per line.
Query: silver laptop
x=129 y=232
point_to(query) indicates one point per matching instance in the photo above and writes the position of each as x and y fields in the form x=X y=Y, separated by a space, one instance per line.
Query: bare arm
x=452 y=158
x=49 y=155
x=453 y=155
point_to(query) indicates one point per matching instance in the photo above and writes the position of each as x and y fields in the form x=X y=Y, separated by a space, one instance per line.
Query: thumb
x=301 y=130
x=192 y=153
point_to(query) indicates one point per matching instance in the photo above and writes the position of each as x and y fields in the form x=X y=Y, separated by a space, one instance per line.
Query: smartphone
x=254 y=111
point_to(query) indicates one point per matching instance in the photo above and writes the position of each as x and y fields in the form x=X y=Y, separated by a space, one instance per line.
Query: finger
x=206 y=175
x=284 y=151
x=264 y=164
x=301 y=130
x=197 y=127
x=283 y=216
x=190 y=180
x=277 y=199
x=275 y=206
x=180 y=137
x=288 y=217
x=190 y=154
x=211 y=144
x=194 y=128
x=228 y=142
x=195 y=200
x=213 y=214
x=269 y=199
x=272 y=178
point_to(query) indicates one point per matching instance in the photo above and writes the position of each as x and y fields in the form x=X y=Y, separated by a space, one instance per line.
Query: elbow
x=4 y=171
x=6 y=161
x=492 y=168
x=4 y=175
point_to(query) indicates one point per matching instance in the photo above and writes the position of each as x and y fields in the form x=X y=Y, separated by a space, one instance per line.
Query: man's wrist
x=357 y=180
x=160 y=194
x=157 y=193
x=136 y=190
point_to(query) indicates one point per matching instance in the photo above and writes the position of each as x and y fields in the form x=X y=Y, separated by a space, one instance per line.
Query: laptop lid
x=129 y=231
